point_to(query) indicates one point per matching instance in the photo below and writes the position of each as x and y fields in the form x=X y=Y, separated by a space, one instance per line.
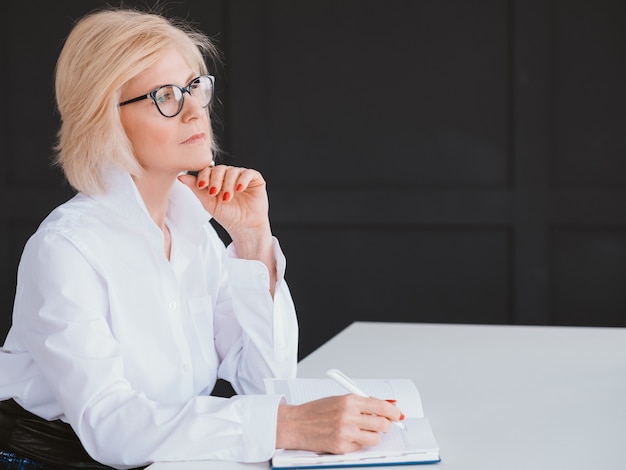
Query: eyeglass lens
x=170 y=98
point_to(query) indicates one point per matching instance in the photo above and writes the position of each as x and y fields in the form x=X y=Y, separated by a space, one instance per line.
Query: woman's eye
x=163 y=98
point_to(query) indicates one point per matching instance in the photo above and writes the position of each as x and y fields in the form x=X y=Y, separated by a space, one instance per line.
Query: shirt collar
x=185 y=212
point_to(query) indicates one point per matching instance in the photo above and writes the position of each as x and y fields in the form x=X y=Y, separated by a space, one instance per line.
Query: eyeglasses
x=169 y=99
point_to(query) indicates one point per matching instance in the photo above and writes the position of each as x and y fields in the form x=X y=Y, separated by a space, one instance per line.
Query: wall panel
x=589 y=267
x=338 y=274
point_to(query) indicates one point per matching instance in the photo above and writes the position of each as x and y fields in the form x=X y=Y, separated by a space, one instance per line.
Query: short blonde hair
x=104 y=50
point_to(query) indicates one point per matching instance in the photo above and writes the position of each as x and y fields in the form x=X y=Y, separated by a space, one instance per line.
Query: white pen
x=343 y=380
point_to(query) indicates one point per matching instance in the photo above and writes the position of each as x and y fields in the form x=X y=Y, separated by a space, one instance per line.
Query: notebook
x=414 y=445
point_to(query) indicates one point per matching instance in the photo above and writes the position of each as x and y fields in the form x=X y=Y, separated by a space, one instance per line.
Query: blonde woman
x=128 y=305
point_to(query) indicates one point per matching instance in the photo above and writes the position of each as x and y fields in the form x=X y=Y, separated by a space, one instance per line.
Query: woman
x=128 y=306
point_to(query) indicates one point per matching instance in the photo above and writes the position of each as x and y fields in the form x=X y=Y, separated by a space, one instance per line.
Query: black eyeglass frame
x=187 y=89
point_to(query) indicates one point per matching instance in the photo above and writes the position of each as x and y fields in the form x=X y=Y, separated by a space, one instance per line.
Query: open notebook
x=414 y=445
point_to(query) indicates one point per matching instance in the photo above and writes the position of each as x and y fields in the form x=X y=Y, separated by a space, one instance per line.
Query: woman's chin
x=201 y=165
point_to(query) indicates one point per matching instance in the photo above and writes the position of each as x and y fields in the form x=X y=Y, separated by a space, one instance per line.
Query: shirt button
x=172 y=305
x=186 y=367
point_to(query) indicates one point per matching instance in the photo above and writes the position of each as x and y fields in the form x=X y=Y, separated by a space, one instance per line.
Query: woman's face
x=166 y=146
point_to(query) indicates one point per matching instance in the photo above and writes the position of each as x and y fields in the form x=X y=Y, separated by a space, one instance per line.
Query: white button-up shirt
x=126 y=346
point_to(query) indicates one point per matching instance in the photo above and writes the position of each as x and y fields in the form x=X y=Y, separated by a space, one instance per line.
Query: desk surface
x=497 y=397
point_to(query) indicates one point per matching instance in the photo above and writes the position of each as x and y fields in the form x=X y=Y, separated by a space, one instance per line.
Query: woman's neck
x=155 y=194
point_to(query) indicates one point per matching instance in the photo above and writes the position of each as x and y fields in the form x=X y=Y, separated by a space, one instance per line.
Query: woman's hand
x=235 y=197
x=337 y=425
x=237 y=200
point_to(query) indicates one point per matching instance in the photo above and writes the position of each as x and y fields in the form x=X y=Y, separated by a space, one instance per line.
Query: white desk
x=498 y=397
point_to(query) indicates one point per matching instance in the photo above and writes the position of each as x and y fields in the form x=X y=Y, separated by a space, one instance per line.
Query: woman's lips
x=195 y=138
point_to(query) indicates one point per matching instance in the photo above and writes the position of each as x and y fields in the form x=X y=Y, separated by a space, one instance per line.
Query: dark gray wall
x=427 y=160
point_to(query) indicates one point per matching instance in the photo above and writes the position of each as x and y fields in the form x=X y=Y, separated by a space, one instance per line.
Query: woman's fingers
x=374 y=423
x=384 y=408
x=226 y=181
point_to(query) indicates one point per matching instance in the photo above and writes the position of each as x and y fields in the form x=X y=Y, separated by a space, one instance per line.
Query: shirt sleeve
x=62 y=317
x=259 y=338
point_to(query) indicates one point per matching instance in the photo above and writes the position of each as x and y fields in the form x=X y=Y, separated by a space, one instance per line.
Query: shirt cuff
x=259 y=442
x=241 y=271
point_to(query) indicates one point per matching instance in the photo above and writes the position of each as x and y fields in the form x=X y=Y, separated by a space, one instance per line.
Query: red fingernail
x=401 y=416
x=226 y=197
x=239 y=187
x=213 y=190
x=393 y=402
x=201 y=184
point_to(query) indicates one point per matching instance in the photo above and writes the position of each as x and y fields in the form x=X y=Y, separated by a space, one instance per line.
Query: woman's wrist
x=253 y=243
x=258 y=244
x=285 y=432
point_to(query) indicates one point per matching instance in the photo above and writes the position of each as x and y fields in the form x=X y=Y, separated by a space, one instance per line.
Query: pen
x=343 y=380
